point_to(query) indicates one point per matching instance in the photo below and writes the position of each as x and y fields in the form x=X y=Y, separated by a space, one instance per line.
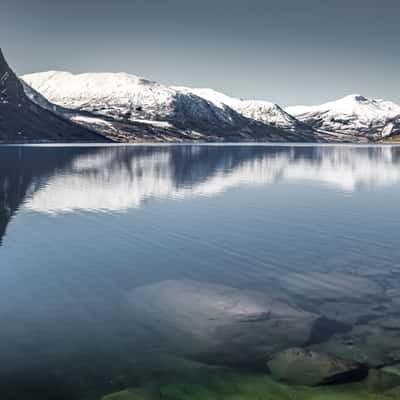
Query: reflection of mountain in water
x=22 y=169
x=62 y=179
x=119 y=178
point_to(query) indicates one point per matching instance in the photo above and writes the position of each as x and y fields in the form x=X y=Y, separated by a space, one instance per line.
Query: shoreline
x=195 y=143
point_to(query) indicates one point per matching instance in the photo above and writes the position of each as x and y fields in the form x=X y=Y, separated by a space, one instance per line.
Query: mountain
x=352 y=115
x=129 y=108
x=261 y=111
x=22 y=120
x=118 y=103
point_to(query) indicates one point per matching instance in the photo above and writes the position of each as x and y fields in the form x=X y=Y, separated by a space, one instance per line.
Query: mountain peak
x=4 y=67
x=10 y=85
x=352 y=114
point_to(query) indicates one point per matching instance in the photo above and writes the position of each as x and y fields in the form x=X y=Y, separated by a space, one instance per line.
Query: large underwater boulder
x=218 y=321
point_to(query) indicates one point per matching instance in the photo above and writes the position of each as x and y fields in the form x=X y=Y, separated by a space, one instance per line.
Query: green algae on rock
x=380 y=380
x=306 y=367
x=231 y=386
x=125 y=395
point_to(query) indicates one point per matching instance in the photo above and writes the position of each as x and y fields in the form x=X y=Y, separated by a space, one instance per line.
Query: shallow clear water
x=120 y=264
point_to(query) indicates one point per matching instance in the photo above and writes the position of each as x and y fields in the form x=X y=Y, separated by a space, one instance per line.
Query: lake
x=123 y=265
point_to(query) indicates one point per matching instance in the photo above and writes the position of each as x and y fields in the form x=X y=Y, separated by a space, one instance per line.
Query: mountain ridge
x=61 y=106
x=212 y=115
x=132 y=99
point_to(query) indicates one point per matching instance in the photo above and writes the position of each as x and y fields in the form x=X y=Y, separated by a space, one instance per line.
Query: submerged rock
x=307 y=367
x=217 y=387
x=221 y=321
x=368 y=344
x=330 y=286
x=380 y=380
x=390 y=322
x=392 y=370
x=348 y=312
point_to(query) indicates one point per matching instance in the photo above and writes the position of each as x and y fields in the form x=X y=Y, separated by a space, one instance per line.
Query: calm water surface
x=116 y=260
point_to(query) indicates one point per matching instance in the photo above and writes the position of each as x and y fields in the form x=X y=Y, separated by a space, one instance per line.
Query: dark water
x=116 y=260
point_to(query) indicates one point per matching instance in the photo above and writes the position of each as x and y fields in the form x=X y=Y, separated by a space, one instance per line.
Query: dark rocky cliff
x=21 y=120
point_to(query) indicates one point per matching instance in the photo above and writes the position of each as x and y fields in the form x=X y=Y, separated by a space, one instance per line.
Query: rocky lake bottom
x=199 y=272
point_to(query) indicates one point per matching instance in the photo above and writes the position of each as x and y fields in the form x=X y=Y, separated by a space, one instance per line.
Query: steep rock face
x=352 y=115
x=23 y=120
x=128 y=100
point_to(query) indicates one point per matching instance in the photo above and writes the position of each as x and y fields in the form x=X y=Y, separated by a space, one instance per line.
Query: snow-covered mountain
x=130 y=108
x=352 y=115
x=261 y=111
x=125 y=99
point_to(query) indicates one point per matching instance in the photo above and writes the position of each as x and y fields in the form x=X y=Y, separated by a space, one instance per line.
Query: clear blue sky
x=286 y=51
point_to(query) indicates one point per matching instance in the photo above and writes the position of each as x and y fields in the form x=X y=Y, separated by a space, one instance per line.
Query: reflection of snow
x=94 y=186
x=105 y=181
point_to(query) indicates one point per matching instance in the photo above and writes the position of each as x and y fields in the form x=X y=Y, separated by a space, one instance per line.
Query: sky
x=286 y=51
